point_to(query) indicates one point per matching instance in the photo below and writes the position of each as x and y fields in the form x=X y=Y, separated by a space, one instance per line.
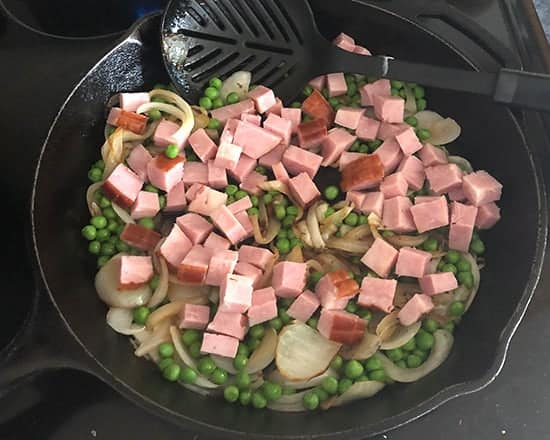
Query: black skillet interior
x=491 y=139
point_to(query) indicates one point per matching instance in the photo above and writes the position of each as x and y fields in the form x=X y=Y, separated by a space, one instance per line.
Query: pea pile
x=212 y=99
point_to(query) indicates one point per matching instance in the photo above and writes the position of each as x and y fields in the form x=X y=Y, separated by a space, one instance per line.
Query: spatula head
x=276 y=40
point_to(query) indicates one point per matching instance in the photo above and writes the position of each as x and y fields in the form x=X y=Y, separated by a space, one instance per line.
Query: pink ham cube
x=259 y=257
x=244 y=220
x=346 y=158
x=195 y=172
x=304 y=306
x=175 y=198
x=463 y=219
x=215 y=241
x=443 y=178
x=263 y=98
x=251 y=183
x=280 y=172
x=394 y=185
x=228 y=156
x=373 y=203
x=275 y=109
x=202 y=145
x=264 y=306
x=425 y=199
x=382 y=87
x=146 y=205
x=207 y=200
x=294 y=115
x=430 y=156
x=289 y=279
x=360 y=50
x=194 y=316
x=134 y=272
x=168 y=132
x=226 y=222
x=389 y=131
x=457 y=194
x=397 y=215
x=255 y=141
x=303 y=189
x=367 y=128
x=390 y=155
x=380 y=257
x=165 y=173
x=217 y=176
x=431 y=215
x=253 y=119
x=280 y=127
x=312 y=133
x=412 y=262
x=413 y=171
x=344 y=41
x=235 y=294
x=193 y=268
x=229 y=324
x=175 y=247
x=435 y=283
x=195 y=227
x=122 y=186
x=222 y=263
x=336 y=84
x=487 y=216
x=413 y=310
x=340 y=326
x=138 y=159
x=335 y=289
x=132 y=101
x=244 y=167
x=297 y=160
x=220 y=345
x=240 y=205
x=318 y=83
x=389 y=108
x=273 y=157
x=192 y=191
x=408 y=141
x=228 y=133
x=356 y=198
x=377 y=293
x=349 y=117
x=250 y=271
x=233 y=111
x=337 y=141
x=481 y=188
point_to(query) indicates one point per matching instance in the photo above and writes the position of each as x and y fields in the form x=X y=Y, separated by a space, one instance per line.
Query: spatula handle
x=523 y=89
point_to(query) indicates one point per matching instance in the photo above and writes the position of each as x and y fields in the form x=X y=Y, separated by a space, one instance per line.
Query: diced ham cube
x=280 y=172
x=165 y=173
x=389 y=131
x=367 y=128
x=138 y=159
x=140 y=237
x=250 y=271
x=463 y=219
x=394 y=185
x=243 y=218
x=193 y=190
x=431 y=215
x=251 y=183
x=207 y=200
x=297 y=160
x=408 y=141
x=336 y=84
x=263 y=98
x=390 y=154
x=431 y=156
x=127 y=120
x=389 y=108
x=312 y=133
x=175 y=198
x=397 y=215
x=363 y=173
x=228 y=133
x=229 y=323
x=380 y=258
x=222 y=263
x=168 y=132
x=220 y=345
x=217 y=176
x=280 y=127
x=235 y=294
x=337 y=141
x=146 y=205
x=264 y=306
x=413 y=310
x=215 y=241
x=255 y=141
x=202 y=145
x=360 y=50
x=487 y=216
x=240 y=205
x=356 y=198
x=253 y=119
x=289 y=279
x=345 y=42
x=413 y=171
x=317 y=107
x=412 y=262
x=195 y=316
x=443 y=178
x=349 y=117
x=457 y=194
x=435 y=283
x=294 y=115
x=304 y=306
x=425 y=199
x=273 y=157
x=131 y=101
x=259 y=257
x=335 y=289
x=343 y=327
x=134 y=272
x=195 y=172
x=303 y=189
x=228 y=156
x=233 y=111
x=382 y=87
x=481 y=188
x=276 y=108
x=226 y=221
x=318 y=83
x=122 y=186
x=378 y=293
x=346 y=158
x=193 y=268
x=244 y=167
x=195 y=227
x=373 y=203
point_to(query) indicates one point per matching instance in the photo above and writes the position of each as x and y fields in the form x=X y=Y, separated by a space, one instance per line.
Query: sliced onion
x=264 y=353
x=160 y=334
x=122 y=214
x=432 y=265
x=331 y=263
x=313 y=227
x=188 y=122
x=106 y=285
x=352 y=246
x=93 y=207
x=444 y=132
x=426 y=119
x=295 y=255
x=185 y=126
x=475 y=275
x=364 y=349
x=224 y=363
x=387 y=327
x=201 y=118
x=238 y=83
x=121 y=321
x=302 y=353
x=166 y=311
x=401 y=336
x=375 y=223
x=410 y=102
x=184 y=356
x=302 y=231
x=289 y=403
x=206 y=392
x=160 y=292
x=112 y=152
x=314 y=265
x=400 y=241
x=463 y=164
x=272 y=230
x=359 y=232
x=190 y=293
x=275 y=185
x=320 y=210
x=358 y=391
x=337 y=217
x=277 y=377
x=265 y=280
x=441 y=349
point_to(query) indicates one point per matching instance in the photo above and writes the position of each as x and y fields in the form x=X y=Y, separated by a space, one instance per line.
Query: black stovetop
x=36 y=73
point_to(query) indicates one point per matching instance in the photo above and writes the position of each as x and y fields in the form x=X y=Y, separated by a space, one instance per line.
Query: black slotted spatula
x=278 y=41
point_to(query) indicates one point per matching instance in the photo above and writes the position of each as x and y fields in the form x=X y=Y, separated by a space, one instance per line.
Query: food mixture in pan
x=290 y=257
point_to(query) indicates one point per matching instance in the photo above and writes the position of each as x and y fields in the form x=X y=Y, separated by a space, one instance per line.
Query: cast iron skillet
x=67 y=326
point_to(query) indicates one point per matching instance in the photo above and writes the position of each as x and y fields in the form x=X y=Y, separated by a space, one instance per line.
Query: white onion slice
x=238 y=83
x=122 y=214
x=352 y=246
x=264 y=353
x=401 y=336
x=93 y=207
x=121 y=321
x=427 y=118
x=444 y=132
x=163 y=312
x=277 y=377
x=162 y=288
x=358 y=391
x=289 y=403
x=364 y=349
x=159 y=335
x=400 y=241
x=224 y=363
x=191 y=293
x=313 y=227
x=464 y=164
x=475 y=275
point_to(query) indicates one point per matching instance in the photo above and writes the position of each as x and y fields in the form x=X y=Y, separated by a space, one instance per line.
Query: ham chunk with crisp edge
x=367 y=128
x=176 y=199
x=251 y=183
x=336 y=84
x=457 y=194
x=463 y=219
x=202 y=145
x=430 y=156
x=431 y=215
x=304 y=306
x=222 y=263
x=280 y=172
x=233 y=111
x=138 y=159
x=408 y=141
x=253 y=119
x=263 y=98
x=280 y=127
x=226 y=222
x=134 y=272
x=373 y=203
x=317 y=107
x=195 y=227
x=340 y=326
x=276 y=108
x=335 y=289
x=337 y=141
x=240 y=205
x=380 y=258
x=127 y=120
x=259 y=257
x=435 y=283
x=417 y=306
x=394 y=185
x=176 y=246
x=146 y=205
x=349 y=117
x=412 y=262
x=487 y=216
x=165 y=173
x=443 y=178
x=294 y=115
x=413 y=171
x=235 y=294
x=382 y=87
x=207 y=200
x=312 y=133
x=289 y=279
x=140 y=237
x=273 y=157
x=390 y=155
x=228 y=156
x=244 y=167
x=220 y=345
x=297 y=160
x=389 y=108
x=122 y=186
x=194 y=316
x=195 y=172
x=215 y=241
x=363 y=173
x=250 y=271
x=303 y=189
x=229 y=324
x=318 y=83
x=264 y=306
x=255 y=141
x=389 y=131
x=131 y=101
x=168 y=132
x=397 y=215
x=217 y=176
x=193 y=268
x=346 y=158
x=481 y=188
x=228 y=133
x=378 y=293
x=356 y=198
x=244 y=220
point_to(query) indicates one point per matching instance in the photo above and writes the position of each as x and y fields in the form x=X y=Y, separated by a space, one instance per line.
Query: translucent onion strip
x=358 y=391
x=188 y=121
x=475 y=275
x=264 y=354
x=358 y=247
x=166 y=311
x=289 y=403
x=122 y=214
x=273 y=229
x=120 y=320
x=314 y=231
x=159 y=335
x=162 y=288
x=400 y=241
x=277 y=377
x=93 y=207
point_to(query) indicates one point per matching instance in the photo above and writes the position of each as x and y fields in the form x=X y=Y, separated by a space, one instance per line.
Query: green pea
x=430 y=325
x=424 y=340
x=344 y=384
x=363 y=220
x=89 y=232
x=219 y=376
x=283 y=244
x=430 y=245
x=330 y=385
x=412 y=121
x=276 y=324
x=463 y=265
x=397 y=84
x=449 y=268
x=272 y=391
x=267 y=198
x=286 y=302
x=172 y=372
x=231 y=190
x=352 y=219
x=476 y=246
x=373 y=363
x=413 y=361
x=296 y=104
x=331 y=192
x=365 y=314
x=188 y=375
x=337 y=363
x=423 y=133
x=165 y=363
x=401 y=364
x=154 y=114
x=333 y=102
x=195 y=350
x=352 y=89
x=141 y=314
x=147 y=222
x=95 y=174
x=217 y=103
x=330 y=210
x=231 y=393
x=378 y=375
x=452 y=257
x=353 y=369
x=233 y=98
x=206 y=103
x=352 y=307
x=99 y=222
x=253 y=211
x=100 y=164
x=364 y=148
x=162 y=201
x=206 y=366
x=312 y=322
x=112 y=226
x=310 y=400
x=158 y=99
x=257 y=331
x=214 y=124
x=242 y=380
x=103 y=235
x=112 y=239
x=253 y=343
x=243 y=349
x=240 y=195
x=171 y=151
x=110 y=214
x=280 y=212
x=419 y=92
x=245 y=397
x=450 y=327
x=466 y=279
x=190 y=336
x=373 y=145
x=395 y=92
x=288 y=221
x=395 y=355
x=284 y=316
x=421 y=105
x=211 y=93
x=308 y=90
x=258 y=400
x=107 y=249
x=166 y=350
x=354 y=149
x=456 y=308
x=216 y=83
